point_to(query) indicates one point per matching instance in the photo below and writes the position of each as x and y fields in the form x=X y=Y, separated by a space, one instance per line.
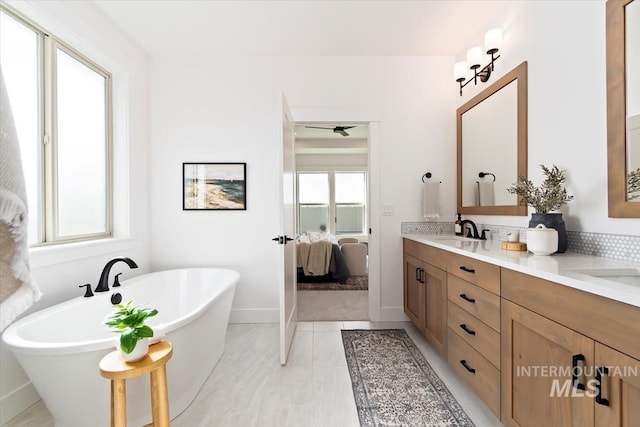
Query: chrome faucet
x=103 y=283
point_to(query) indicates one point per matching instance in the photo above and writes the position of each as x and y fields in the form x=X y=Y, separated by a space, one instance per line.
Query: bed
x=320 y=259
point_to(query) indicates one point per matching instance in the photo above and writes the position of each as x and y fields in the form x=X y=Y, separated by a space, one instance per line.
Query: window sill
x=63 y=253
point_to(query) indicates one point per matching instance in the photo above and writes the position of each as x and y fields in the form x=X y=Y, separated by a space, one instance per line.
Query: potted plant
x=548 y=197
x=128 y=320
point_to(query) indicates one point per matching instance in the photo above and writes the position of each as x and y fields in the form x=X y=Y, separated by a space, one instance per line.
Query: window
x=350 y=197
x=338 y=195
x=313 y=201
x=61 y=107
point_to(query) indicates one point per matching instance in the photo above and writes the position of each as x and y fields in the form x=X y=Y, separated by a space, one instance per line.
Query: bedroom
x=332 y=221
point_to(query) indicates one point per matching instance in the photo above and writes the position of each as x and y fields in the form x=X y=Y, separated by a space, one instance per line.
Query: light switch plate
x=387 y=210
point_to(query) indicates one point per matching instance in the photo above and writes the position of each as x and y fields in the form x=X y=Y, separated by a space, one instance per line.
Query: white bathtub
x=60 y=347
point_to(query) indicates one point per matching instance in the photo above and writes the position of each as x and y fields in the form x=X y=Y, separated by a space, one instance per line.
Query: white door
x=288 y=285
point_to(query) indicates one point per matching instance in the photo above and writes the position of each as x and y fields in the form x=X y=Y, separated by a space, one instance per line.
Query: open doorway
x=332 y=173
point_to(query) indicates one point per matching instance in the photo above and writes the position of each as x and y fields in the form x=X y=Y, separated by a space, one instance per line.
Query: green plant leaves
x=551 y=195
x=129 y=321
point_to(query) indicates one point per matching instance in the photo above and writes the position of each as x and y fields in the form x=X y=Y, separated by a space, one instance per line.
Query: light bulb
x=493 y=40
x=460 y=71
x=474 y=57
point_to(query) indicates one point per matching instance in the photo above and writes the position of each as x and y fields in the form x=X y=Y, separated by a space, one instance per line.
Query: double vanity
x=542 y=340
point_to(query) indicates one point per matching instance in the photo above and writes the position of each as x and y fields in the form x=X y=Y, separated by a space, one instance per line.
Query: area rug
x=393 y=384
x=354 y=283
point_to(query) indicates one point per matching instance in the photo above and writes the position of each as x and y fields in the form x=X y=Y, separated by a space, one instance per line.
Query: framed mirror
x=623 y=107
x=492 y=146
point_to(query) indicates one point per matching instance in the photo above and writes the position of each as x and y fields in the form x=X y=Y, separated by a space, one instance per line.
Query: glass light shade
x=493 y=40
x=460 y=70
x=474 y=56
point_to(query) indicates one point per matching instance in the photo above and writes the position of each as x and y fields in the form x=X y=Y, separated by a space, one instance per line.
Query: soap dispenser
x=457 y=226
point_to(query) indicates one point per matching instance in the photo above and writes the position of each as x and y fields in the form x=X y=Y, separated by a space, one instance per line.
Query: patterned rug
x=354 y=283
x=394 y=385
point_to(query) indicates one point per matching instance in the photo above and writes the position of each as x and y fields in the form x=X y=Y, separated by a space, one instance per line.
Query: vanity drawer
x=475 y=333
x=480 y=303
x=481 y=375
x=429 y=254
x=485 y=275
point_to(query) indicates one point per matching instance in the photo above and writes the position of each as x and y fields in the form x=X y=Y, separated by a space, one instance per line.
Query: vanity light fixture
x=475 y=57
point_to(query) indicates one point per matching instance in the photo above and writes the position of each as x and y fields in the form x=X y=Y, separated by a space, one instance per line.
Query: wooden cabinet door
x=618 y=403
x=435 y=294
x=414 y=291
x=537 y=359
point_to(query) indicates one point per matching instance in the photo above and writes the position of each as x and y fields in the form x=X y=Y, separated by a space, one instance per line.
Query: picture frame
x=214 y=186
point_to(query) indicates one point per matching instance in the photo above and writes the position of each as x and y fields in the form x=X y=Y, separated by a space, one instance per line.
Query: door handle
x=417 y=274
x=287 y=239
x=422 y=276
x=279 y=239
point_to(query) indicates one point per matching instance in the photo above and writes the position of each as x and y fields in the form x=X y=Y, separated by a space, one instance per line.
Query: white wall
x=60 y=270
x=564 y=44
x=331 y=162
x=225 y=110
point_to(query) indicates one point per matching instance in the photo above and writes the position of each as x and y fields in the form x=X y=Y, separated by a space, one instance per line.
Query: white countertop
x=556 y=268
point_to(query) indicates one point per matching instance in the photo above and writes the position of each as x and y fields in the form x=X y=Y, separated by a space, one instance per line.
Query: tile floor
x=249 y=388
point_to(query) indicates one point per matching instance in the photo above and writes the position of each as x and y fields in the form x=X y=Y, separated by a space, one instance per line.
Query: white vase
x=139 y=351
x=542 y=240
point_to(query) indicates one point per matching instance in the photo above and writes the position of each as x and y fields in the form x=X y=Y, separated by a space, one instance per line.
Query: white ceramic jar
x=542 y=240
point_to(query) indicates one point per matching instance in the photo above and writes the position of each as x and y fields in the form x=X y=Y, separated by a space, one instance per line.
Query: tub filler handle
x=88 y=292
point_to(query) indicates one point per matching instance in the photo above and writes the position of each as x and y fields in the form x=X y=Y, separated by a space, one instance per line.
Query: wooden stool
x=117 y=370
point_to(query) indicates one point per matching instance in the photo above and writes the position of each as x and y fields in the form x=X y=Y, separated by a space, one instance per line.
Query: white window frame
x=332 y=198
x=47 y=149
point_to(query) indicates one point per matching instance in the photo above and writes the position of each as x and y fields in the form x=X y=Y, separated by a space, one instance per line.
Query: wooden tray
x=514 y=246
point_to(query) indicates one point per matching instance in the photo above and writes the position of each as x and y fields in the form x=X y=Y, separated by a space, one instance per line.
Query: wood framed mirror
x=623 y=106
x=492 y=145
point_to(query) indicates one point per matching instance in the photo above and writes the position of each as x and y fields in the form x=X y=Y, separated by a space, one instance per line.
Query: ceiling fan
x=338 y=129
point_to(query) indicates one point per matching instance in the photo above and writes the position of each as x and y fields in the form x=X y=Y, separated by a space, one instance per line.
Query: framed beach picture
x=214 y=186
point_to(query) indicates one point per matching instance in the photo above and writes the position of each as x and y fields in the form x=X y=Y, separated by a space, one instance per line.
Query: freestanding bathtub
x=60 y=347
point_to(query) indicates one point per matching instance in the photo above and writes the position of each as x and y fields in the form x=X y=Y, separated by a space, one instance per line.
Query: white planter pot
x=139 y=351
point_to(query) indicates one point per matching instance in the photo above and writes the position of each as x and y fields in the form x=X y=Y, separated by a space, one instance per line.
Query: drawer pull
x=468 y=270
x=467 y=367
x=466 y=298
x=599 y=373
x=467 y=330
x=574 y=369
x=417 y=274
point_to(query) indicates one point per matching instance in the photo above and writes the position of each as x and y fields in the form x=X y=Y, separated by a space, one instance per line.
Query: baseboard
x=392 y=314
x=17 y=401
x=254 y=315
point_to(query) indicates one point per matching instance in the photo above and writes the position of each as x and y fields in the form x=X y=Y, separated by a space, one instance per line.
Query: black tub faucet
x=103 y=283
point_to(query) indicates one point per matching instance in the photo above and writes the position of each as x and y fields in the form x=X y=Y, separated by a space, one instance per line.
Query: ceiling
x=301 y=27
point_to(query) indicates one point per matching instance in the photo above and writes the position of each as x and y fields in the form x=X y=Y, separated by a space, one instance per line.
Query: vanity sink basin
x=628 y=276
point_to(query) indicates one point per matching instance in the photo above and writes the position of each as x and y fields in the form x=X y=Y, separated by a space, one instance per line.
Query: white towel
x=17 y=289
x=431 y=200
x=486 y=193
